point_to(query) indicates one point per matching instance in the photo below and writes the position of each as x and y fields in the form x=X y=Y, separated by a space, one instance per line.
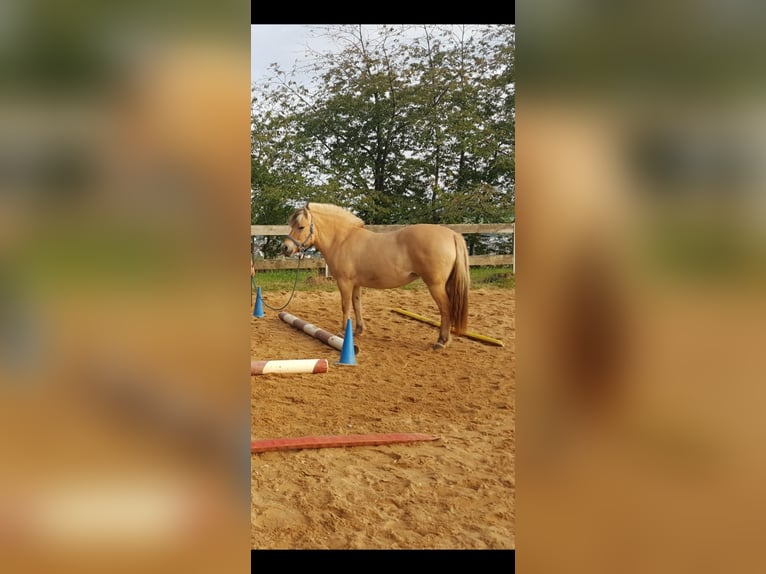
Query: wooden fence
x=319 y=263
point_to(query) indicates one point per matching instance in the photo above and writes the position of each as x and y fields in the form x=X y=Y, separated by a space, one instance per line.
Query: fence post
x=513 y=253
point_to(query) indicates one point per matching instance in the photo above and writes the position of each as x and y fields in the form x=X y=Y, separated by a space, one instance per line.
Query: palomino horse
x=358 y=257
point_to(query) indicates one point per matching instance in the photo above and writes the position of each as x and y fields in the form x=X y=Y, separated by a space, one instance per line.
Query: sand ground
x=457 y=492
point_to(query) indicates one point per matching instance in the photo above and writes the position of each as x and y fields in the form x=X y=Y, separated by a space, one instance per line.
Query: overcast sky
x=286 y=43
x=281 y=43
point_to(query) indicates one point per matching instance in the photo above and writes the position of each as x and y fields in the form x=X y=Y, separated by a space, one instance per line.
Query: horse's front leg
x=357 y=300
x=346 y=289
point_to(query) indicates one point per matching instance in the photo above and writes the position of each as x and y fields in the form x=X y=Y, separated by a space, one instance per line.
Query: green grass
x=500 y=277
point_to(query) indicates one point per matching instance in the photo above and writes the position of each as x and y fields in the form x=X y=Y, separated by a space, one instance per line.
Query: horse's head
x=301 y=235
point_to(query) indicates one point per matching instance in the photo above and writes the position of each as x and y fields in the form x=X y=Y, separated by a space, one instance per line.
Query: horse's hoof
x=438 y=346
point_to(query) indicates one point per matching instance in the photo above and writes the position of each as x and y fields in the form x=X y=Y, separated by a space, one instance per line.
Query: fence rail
x=319 y=263
x=489 y=228
x=292 y=263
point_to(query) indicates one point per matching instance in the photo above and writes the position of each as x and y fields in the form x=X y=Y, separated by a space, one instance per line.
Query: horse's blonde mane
x=336 y=211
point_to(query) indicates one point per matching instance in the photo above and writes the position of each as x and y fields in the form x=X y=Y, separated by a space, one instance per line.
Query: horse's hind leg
x=356 y=298
x=439 y=293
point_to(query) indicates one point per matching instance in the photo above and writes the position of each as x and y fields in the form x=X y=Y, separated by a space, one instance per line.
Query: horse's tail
x=458 y=285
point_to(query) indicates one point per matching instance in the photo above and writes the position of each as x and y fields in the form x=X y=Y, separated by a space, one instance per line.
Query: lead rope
x=295 y=283
x=301 y=253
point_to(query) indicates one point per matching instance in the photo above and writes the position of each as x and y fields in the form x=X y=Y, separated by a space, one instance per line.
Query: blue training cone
x=347 y=354
x=258 y=309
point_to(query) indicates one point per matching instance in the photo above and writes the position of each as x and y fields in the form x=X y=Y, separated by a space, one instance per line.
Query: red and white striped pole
x=325 y=336
x=289 y=366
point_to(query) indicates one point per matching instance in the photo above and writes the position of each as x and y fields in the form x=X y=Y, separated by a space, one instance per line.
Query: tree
x=403 y=125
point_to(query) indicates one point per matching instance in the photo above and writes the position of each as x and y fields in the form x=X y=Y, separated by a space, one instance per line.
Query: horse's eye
x=301 y=228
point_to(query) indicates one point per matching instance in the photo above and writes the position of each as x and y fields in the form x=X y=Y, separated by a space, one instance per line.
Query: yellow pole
x=468 y=334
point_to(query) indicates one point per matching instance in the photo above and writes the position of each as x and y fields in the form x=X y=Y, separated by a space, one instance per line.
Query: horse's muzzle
x=288 y=249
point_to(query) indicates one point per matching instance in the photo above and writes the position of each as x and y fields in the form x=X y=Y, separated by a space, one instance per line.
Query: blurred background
x=124 y=310
x=641 y=222
x=123 y=319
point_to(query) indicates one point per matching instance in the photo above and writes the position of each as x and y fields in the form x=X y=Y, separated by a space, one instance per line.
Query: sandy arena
x=456 y=492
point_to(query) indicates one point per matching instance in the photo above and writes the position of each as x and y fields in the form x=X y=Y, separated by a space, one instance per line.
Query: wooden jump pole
x=273 y=444
x=475 y=336
x=289 y=366
x=325 y=336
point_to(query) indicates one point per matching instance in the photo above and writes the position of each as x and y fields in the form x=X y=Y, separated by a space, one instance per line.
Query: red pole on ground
x=274 y=444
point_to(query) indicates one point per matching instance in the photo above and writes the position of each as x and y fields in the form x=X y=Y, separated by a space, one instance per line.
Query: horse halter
x=302 y=244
